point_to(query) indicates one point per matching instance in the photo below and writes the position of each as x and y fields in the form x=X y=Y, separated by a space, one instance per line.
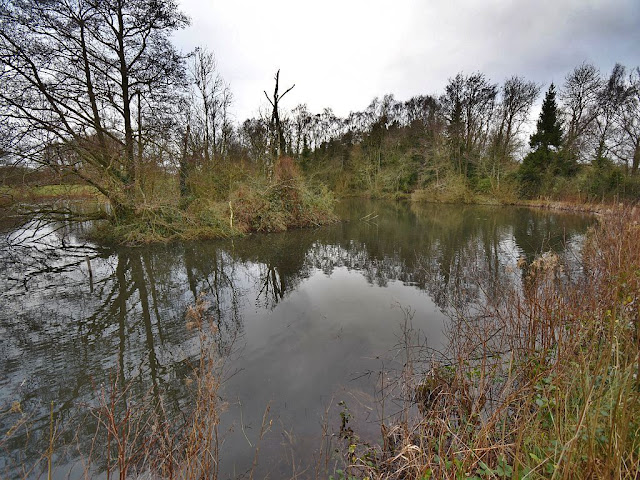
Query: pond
x=306 y=323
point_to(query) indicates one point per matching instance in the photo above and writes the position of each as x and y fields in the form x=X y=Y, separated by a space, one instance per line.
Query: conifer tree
x=546 y=159
x=548 y=129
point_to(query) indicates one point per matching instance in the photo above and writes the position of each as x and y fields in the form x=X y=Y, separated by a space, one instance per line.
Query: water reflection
x=304 y=316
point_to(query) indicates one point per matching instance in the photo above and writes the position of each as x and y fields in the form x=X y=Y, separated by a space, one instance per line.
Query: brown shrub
x=286 y=170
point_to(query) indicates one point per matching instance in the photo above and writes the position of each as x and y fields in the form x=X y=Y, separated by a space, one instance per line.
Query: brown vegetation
x=538 y=382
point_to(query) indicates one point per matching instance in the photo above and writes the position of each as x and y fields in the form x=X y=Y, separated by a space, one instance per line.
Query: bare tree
x=516 y=99
x=208 y=84
x=73 y=73
x=579 y=98
x=611 y=98
x=254 y=135
x=469 y=108
x=224 y=103
x=627 y=146
x=302 y=123
x=279 y=146
x=422 y=108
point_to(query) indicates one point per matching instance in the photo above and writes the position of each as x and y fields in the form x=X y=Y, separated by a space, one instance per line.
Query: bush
x=215 y=182
x=608 y=182
x=283 y=203
x=452 y=189
x=483 y=185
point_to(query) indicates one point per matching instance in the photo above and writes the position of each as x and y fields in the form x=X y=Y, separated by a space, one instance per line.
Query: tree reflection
x=132 y=322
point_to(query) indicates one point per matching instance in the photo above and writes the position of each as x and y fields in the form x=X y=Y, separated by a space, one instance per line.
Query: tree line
x=95 y=89
x=481 y=133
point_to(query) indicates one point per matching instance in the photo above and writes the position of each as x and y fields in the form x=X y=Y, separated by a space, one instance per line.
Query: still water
x=306 y=319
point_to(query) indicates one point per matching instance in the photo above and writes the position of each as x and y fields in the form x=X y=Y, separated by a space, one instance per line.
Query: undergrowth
x=253 y=204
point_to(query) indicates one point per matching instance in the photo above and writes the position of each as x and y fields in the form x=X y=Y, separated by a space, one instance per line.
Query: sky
x=343 y=53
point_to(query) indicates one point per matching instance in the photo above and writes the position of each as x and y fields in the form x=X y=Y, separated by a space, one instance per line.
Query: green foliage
x=452 y=189
x=547 y=160
x=548 y=129
x=502 y=470
x=608 y=183
x=532 y=171
x=601 y=182
x=341 y=475
x=484 y=185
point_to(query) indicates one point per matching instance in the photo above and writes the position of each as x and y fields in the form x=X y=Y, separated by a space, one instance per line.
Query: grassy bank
x=538 y=382
x=10 y=195
x=455 y=190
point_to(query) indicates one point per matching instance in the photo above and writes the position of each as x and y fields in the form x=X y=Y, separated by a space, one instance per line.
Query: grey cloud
x=342 y=54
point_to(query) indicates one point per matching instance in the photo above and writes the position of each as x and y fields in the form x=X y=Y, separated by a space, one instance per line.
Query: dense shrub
x=452 y=189
x=282 y=203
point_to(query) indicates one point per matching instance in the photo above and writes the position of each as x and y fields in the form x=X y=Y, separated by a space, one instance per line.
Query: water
x=306 y=319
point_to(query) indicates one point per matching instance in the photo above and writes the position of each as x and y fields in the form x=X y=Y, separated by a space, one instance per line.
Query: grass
x=452 y=189
x=538 y=382
x=47 y=192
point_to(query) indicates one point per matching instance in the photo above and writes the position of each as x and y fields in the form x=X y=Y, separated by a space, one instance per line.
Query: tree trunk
x=184 y=166
x=126 y=100
x=279 y=145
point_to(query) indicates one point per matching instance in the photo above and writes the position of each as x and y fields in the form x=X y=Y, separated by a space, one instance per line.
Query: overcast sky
x=342 y=53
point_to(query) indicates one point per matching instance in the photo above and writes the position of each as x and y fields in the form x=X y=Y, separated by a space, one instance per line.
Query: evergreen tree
x=546 y=159
x=548 y=129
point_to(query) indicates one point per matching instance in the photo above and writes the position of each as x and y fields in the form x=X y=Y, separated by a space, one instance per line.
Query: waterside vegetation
x=541 y=378
x=96 y=94
x=539 y=381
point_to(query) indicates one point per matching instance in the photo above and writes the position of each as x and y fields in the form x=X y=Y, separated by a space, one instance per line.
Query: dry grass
x=282 y=203
x=540 y=381
x=243 y=204
x=573 y=206
x=452 y=189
